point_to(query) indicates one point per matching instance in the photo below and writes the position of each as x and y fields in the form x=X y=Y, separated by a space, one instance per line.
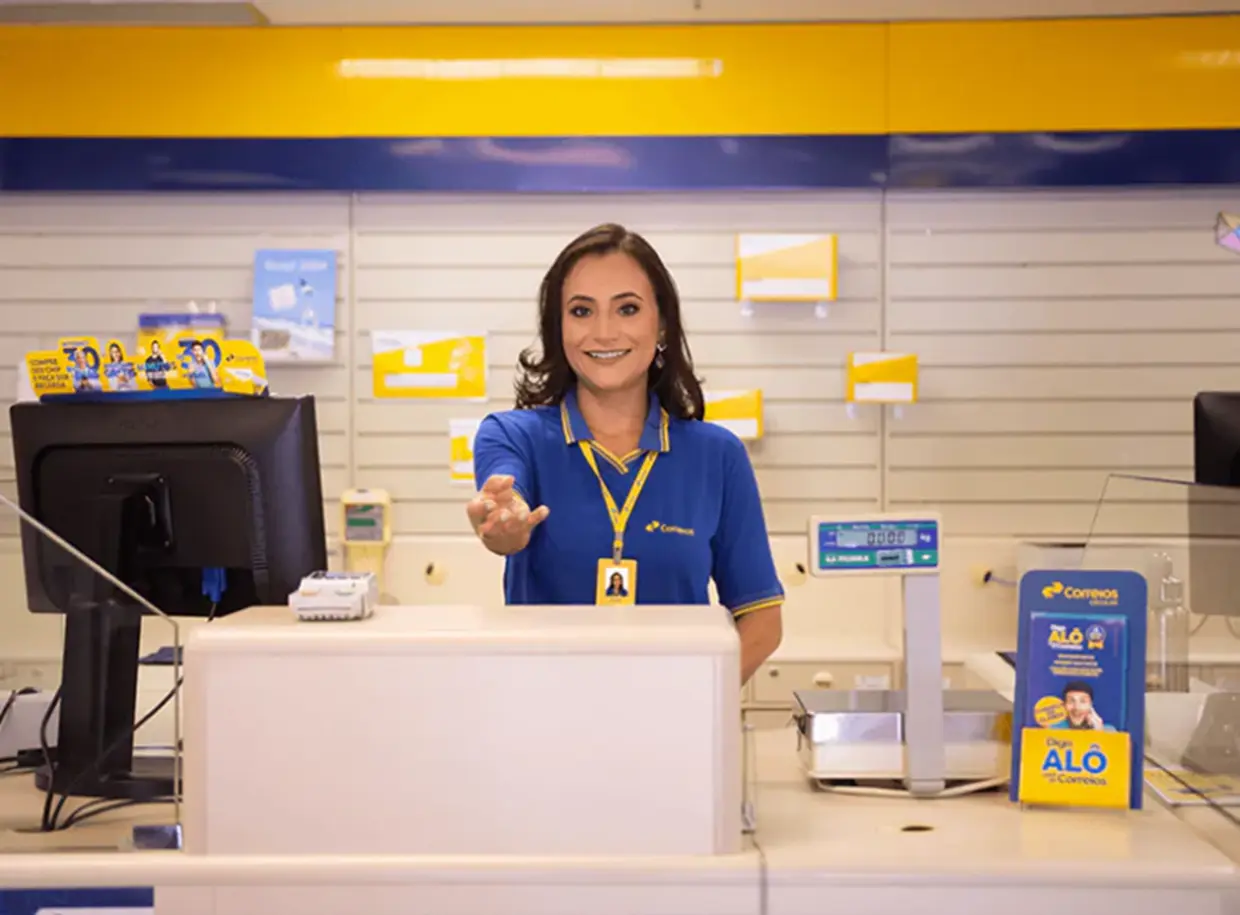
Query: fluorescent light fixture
x=1216 y=59
x=131 y=13
x=532 y=68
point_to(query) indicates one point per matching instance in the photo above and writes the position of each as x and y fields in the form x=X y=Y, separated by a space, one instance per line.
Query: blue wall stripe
x=29 y=902
x=619 y=164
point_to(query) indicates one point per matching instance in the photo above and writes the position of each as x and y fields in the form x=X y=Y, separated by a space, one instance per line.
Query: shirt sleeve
x=497 y=451
x=743 y=567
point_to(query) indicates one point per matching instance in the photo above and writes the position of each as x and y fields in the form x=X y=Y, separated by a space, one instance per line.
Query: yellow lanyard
x=619 y=516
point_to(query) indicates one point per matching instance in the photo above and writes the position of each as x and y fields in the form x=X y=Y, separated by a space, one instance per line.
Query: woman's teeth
x=608 y=354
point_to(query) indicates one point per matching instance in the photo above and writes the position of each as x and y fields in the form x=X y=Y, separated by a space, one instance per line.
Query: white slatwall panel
x=462 y=263
x=91 y=264
x=1061 y=337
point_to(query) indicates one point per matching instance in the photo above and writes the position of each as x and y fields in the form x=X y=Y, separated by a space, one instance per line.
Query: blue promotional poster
x=1077 y=670
x=1080 y=689
x=294 y=318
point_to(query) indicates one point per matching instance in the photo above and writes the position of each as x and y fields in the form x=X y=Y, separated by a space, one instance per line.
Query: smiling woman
x=605 y=468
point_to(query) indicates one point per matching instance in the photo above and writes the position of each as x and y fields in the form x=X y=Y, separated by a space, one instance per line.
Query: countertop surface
x=807 y=837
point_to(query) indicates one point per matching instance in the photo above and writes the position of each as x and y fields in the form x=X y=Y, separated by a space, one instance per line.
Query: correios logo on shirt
x=658 y=527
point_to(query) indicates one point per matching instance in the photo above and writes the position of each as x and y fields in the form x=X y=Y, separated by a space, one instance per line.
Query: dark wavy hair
x=545 y=377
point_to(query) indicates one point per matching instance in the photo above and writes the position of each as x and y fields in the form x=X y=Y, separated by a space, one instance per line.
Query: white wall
x=1061 y=336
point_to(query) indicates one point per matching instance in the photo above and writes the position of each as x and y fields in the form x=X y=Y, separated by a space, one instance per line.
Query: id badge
x=617 y=582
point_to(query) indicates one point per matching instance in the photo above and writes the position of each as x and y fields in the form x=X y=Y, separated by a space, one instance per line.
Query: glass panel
x=84 y=711
x=1185 y=539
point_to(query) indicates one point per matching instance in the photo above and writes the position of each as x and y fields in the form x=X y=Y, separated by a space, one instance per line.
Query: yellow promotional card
x=881 y=378
x=740 y=411
x=164 y=342
x=774 y=267
x=430 y=365
x=461 y=434
x=49 y=372
x=82 y=361
x=242 y=369
x=1070 y=768
x=158 y=335
x=119 y=372
x=194 y=361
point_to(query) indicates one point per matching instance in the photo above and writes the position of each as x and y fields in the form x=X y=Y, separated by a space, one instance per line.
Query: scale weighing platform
x=932 y=740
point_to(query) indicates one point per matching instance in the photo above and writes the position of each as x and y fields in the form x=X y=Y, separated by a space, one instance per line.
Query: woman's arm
x=500 y=513
x=743 y=567
x=760 y=632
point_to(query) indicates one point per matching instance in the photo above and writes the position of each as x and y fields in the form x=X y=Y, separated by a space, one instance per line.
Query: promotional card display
x=429 y=365
x=740 y=411
x=1080 y=689
x=461 y=434
x=776 y=267
x=182 y=362
x=158 y=333
x=294 y=308
x=881 y=377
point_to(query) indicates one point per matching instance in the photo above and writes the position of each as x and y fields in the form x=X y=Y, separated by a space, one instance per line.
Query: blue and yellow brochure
x=1077 y=671
x=1080 y=689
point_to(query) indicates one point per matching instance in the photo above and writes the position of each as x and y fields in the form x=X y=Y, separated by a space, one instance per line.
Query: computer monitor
x=201 y=506
x=1214 y=506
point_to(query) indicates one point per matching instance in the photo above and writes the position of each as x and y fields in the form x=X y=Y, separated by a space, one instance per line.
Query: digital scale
x=928 y=738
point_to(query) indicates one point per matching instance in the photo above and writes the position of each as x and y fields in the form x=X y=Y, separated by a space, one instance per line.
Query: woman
x=617 y=588
x=121 y=373
x=606 y=464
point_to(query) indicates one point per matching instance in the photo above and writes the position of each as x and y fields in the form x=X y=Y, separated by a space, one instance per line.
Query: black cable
x=46 y=823
x=94 y=766
x=105 y=805
x=8 y=705
x=49 y=816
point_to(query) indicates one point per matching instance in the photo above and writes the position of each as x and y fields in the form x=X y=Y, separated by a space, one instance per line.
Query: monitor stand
x=94 y=754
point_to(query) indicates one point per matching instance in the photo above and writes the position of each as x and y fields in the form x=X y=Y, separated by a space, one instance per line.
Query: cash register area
x=462 y=757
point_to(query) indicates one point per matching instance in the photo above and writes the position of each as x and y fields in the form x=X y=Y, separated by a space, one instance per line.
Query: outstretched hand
x=501 y=518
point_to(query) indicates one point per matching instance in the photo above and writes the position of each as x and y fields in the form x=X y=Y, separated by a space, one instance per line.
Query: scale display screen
x=363 y=523
x=878 y=545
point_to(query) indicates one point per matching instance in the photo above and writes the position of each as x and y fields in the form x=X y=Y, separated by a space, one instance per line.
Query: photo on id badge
x=617 y=582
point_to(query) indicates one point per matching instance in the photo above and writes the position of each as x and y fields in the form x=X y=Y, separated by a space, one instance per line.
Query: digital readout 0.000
x=887 y=537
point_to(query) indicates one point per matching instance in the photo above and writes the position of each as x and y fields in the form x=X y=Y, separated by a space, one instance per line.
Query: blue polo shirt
x=698 y=517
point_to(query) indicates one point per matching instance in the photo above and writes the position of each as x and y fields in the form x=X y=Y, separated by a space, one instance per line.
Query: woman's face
x=114 y=353
x=616 y=580
x=610 y=322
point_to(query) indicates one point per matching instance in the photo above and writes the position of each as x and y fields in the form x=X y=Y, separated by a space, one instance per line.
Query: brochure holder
x=880 y=378
x=739 y=411
x=461 y=434
x=1079 y=708
x=778 y=267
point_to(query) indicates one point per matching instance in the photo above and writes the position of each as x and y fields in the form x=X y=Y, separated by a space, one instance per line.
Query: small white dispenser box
x=465 y=731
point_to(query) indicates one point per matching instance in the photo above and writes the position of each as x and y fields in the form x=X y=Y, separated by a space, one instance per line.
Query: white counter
x=819 y=852
x=844 y=649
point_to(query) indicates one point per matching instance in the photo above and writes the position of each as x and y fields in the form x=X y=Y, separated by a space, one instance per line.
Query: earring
x=658 y=355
